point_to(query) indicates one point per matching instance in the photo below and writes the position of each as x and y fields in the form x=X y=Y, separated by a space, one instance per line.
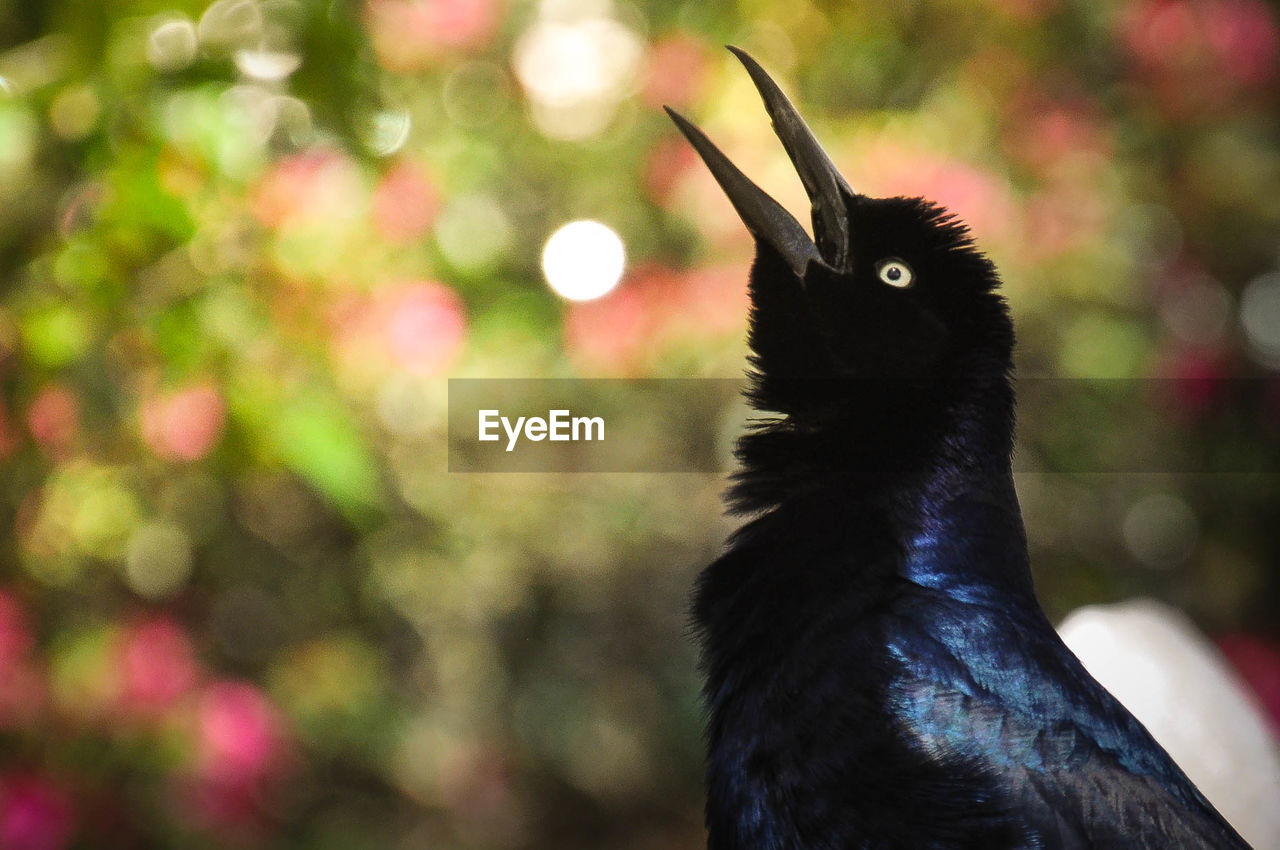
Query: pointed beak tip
x=823 y=182
x=686 y=127
x=743 y=56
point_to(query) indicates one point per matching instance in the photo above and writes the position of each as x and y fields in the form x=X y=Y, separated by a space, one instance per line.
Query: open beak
x=765 y=217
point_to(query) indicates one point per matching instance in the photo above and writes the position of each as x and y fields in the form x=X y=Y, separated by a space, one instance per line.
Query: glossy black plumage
x=879 y=673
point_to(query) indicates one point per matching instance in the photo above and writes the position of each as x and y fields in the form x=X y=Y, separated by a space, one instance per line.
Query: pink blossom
x=241 y=735
x=609 y=333
x=54 y=419
x=417 y=326
x=1050 y=133
x=669 y=160
x=242 y=754
x=34 y=815
x=185 y=425
x=1199 y=53
x=1242 y=35
x=157 y=665
x=978 y=197
x=708 y=301
x=1163 y=33
x=677 y=69
x=1197 y=381
x=316 y=185
x=409 y=35
x=460 y=23
x=22 y=688
x=426 y=327
x=654 y=306
x=405 y=203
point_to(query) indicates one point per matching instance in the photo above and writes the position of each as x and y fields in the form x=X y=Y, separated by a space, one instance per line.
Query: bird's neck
x=941 y=488
x=967 y=541
x=876 y=442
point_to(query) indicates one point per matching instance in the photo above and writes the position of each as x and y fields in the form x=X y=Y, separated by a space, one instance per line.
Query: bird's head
x=881 y=340
x=886 y=290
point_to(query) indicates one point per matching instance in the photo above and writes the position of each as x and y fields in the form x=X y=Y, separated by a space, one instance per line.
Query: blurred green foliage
x=242 y=244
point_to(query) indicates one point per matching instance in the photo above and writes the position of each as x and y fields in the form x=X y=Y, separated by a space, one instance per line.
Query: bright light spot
x=583 y=260
x=267 y=65
x=576 y=67
x=562 y=64
x=172 y=44
x=1260 y=318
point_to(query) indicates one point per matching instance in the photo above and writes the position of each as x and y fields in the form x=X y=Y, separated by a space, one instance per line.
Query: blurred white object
x=1155 y=661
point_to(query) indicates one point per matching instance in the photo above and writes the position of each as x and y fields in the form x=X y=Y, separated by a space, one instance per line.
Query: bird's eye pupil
x=894 y=272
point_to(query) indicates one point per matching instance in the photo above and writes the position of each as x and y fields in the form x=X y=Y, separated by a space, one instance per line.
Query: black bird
x=878 y=671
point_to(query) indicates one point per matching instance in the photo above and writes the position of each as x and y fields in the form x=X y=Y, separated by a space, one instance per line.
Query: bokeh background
x=243 y=245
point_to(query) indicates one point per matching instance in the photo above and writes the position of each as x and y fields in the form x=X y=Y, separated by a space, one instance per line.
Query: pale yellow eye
x=895 y=273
